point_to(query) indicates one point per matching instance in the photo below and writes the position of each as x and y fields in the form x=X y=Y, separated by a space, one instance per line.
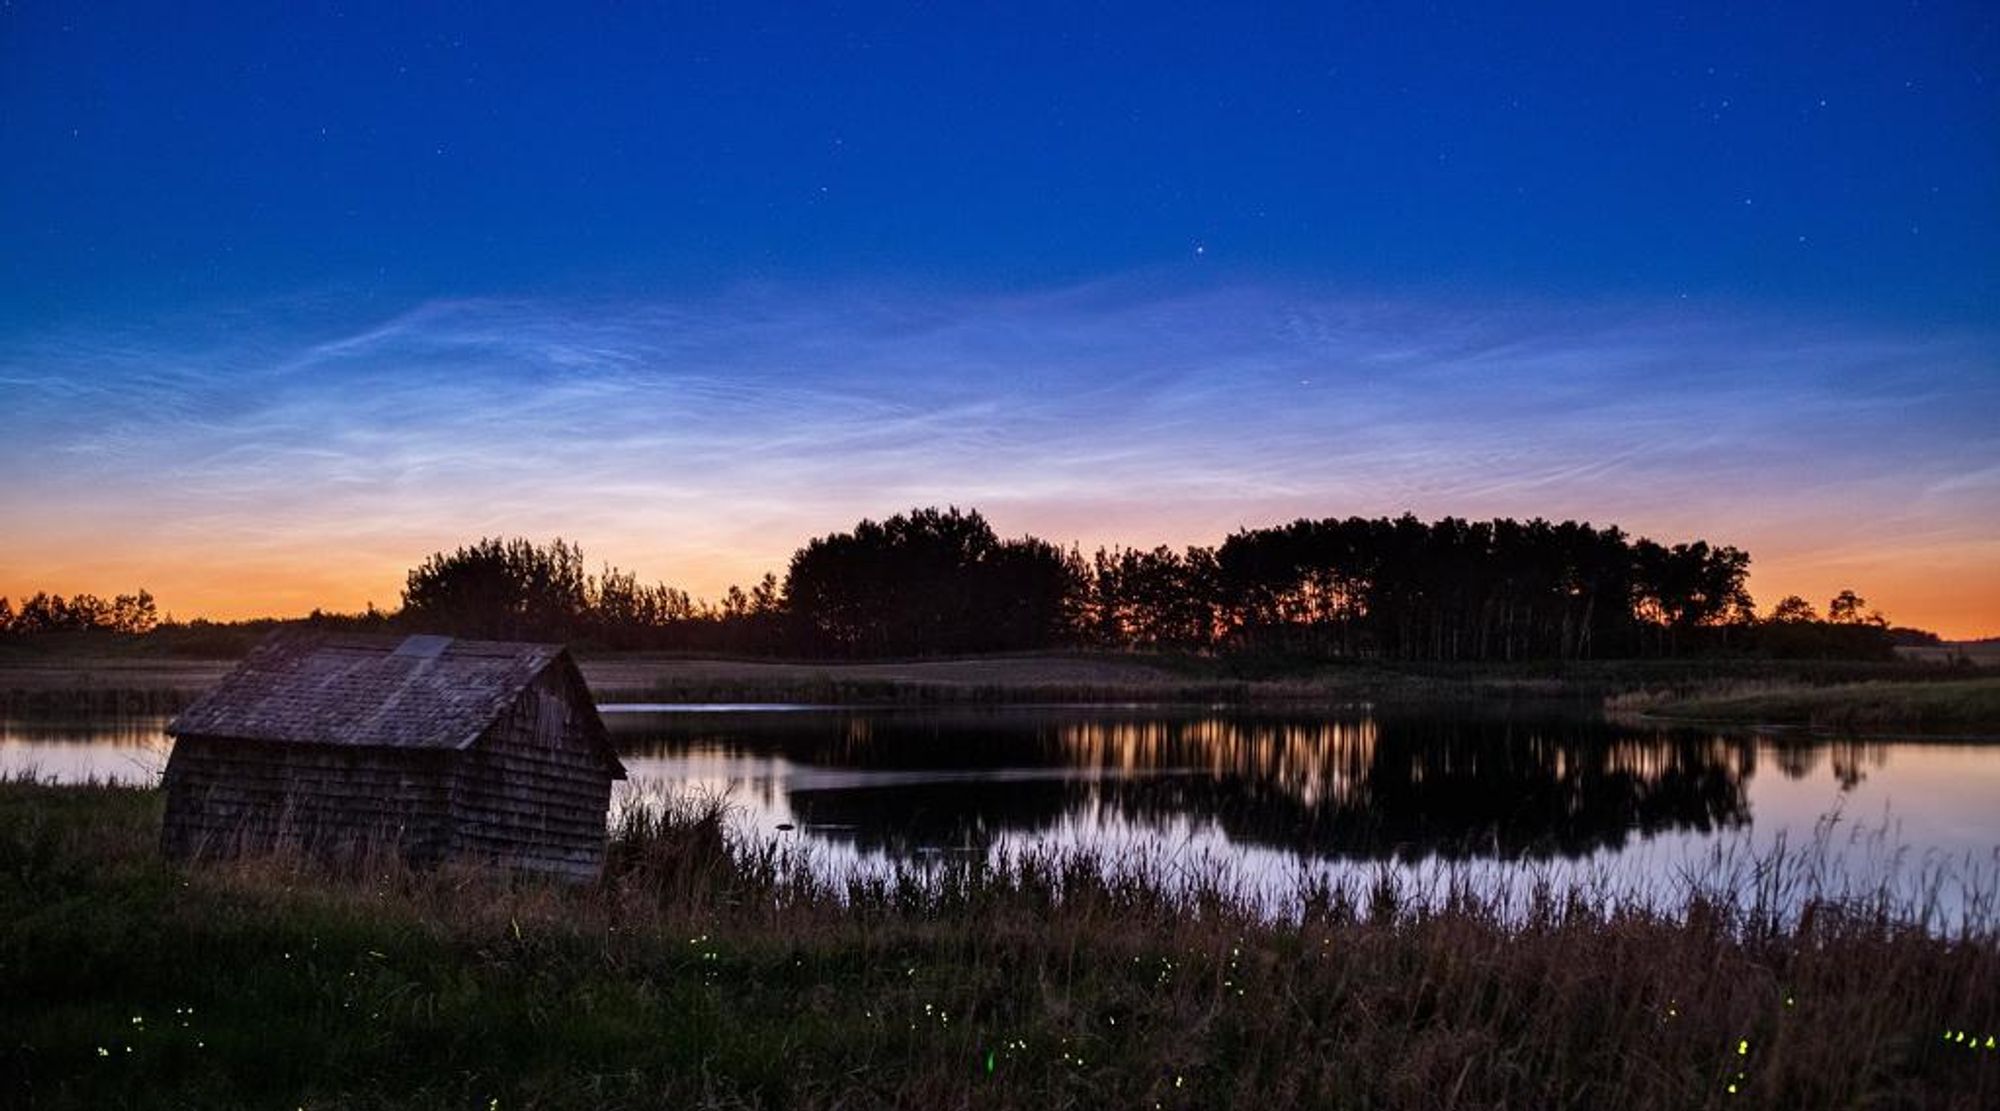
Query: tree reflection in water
x=1346 y=786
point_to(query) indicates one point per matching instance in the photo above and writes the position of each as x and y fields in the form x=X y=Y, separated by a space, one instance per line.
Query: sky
x=293 y=295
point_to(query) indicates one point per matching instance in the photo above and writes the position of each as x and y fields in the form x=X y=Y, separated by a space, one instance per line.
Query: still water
x=1267 y=798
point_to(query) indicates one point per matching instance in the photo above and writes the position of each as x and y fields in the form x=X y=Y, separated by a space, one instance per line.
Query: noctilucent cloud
x=291 y=297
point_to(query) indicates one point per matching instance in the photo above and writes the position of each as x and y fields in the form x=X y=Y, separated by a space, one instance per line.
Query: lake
x=1266 y=798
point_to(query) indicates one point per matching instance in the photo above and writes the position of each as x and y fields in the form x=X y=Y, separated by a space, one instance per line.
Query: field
x=1965 y=706
x=707 y=971
x=1028 y=678
x=1976 y=653
x=86 y=674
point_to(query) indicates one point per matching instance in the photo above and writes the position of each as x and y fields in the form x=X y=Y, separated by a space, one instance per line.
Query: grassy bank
x=1187 y=678
x=1967 y=706
x=706 y=972
x=64 y=676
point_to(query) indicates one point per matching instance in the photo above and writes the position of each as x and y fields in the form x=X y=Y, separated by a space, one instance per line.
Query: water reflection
x=78 y=748
x=1354 y=787
x=1799 y=755
x=1343 y=787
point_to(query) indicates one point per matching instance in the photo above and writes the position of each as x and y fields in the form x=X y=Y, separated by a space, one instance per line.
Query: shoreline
x=1966 y=709
x=1919 y=698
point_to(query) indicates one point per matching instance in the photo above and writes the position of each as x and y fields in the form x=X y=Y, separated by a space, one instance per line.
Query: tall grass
x=1252 y=678
x=1968 y=706
x=715 y=968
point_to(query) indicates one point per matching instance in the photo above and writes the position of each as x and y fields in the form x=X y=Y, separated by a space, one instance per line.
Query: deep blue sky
x=1839 y=155
x=1604 y=231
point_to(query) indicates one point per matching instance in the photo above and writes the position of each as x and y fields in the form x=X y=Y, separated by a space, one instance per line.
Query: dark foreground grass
x=1966 y=706
x=708 y=972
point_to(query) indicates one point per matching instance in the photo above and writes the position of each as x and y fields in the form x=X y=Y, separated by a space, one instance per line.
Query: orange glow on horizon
x=1954 y=591
x=698 y=442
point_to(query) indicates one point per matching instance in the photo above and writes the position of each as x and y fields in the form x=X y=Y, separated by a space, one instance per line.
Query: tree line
x=510 y=589
x=941 y=581
x=53 y=613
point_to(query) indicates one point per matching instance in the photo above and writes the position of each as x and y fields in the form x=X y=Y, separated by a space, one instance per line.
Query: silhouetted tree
x=927 y=581
x=890 y=587
x=134 y=613
x=1155 y=599
x=765 y=598
x=1688 y=586
x=1033 y=593
x=1457 y=589
x=501 y=588
x=1794 y=630
x=43 y=613
x=1792 y=608
x=1846 y=609
x=88 y=611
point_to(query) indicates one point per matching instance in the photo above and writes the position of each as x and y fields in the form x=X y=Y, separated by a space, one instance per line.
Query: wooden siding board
x=223 y=795
x=534 y=789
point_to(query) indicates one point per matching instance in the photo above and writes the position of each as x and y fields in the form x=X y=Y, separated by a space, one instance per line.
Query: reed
x=714 y=968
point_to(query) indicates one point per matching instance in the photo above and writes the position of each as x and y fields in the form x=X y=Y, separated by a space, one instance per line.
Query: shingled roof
x=373 y=691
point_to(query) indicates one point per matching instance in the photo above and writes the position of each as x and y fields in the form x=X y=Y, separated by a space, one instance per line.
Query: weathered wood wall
x=227 y=796
x=533 y=792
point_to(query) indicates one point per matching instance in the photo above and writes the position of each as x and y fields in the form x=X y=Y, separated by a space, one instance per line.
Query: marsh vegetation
x=1963 y=706
x=710 y=969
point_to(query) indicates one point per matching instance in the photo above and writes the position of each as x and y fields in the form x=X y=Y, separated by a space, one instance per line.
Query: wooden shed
x=443 y=748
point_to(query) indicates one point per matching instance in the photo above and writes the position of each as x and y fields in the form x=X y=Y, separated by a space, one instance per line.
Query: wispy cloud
x=699 y=441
